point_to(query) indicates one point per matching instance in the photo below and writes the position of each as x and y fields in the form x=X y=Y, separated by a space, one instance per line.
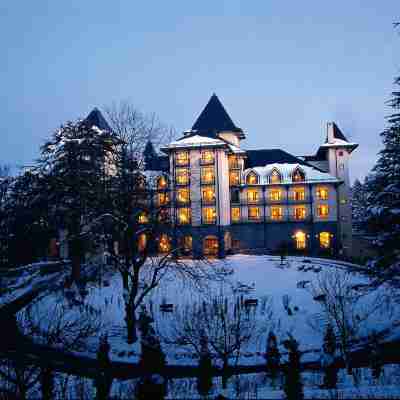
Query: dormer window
x=298 y=176
x=182 y=158
x=252 y=178
x=207 y=157
x=275 y=177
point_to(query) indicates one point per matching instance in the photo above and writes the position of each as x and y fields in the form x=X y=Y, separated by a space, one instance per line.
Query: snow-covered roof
x=195 y=141
x=339 y=142
x=286 y=171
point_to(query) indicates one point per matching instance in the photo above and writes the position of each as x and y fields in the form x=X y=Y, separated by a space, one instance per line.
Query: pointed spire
x=95 y=118
x=214 y=119
x=334 y=132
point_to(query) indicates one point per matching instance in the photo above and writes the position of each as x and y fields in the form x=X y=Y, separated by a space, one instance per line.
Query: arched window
x=298 y=175
x=300 y=240
x=252 y=178
x=162 y=183
x=275 y=177
x=210 y=246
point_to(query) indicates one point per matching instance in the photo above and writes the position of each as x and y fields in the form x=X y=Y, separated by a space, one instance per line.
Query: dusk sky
x=281 y=68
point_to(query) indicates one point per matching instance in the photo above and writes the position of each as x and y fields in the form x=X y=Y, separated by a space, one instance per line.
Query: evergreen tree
x=359 y=205
x=293 y=386
x=272 y=355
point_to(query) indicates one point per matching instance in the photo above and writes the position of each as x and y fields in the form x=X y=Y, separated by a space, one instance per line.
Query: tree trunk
x=131 y=323
x=47 y=383
x=225 y=374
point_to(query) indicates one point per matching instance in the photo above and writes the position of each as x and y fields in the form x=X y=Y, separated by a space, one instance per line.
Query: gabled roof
x=260 y=158
x=95 y=118
x=214 y=119
x=337 y=133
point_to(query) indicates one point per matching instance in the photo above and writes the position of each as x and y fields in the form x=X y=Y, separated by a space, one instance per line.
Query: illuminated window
x=210 y=246
x=275 y=177
x=324 y=240
x=323 y=210
x=182 y=176
x=252 y=178
x=209 y=215
x=300 y=212
x=322 y=193
x=235 y=214
x=187 y=243
x=252 y=195
x=207 y=157
x=163 y=199
x=254 y=213
x=208 y=194
x=164 y=243
x=183 y=196
x=142 y=242
x=163 y=215
x=183 y=216
x=207 y=175
x=299 y=194
x=182 y=158
x=161 y=183
x=234 y=178
x=300 y=240
x=275 y=194
x=233 y=162
x=298 y=176
x=276 y=213
x=143 y=218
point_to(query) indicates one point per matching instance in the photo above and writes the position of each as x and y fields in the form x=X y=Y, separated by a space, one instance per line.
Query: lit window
x=235 y=214
x=208 y=194
x=275 y=194
x=300 y=212
x=143 y=218
x=187 y=243
x=161 y=183
x=254 y=212
x=325 y=240
x=207 y=175
x=209 y=215
x=234 y=178
x=164 y=243
x=142 y=242
x=207 y=157
x=182 y=158
x=233 y=162
x=322 y=193
x=299 y=194
x=182 y=176
x=276 y=213
x=183 y=216
x=298 y=176
x=275 y=177
x=323 y=210
x=210 y=246
x=252 y=195
x=300 y=240
x=252 y=178
x=163 y=198
x=182 y=196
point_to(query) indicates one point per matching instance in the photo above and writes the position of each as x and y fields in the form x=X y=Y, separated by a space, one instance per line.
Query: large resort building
x=222 y=198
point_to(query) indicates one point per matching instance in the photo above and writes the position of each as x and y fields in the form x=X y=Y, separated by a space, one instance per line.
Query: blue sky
x=281 y=68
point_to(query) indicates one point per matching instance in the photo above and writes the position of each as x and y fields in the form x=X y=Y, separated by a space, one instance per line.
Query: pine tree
x=272 y=355
x=359 y=205
x=293 y=386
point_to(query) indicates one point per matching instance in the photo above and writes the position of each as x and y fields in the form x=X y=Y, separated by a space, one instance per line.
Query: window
x=299 y=194
x=300 y=240
x=186 y=244
x=252 y=178
x=234 y=178
x=235 y=214
x=162 y=183
x=275 y=194
x=298 y=176
x=235 y=195
x=210 y=245
x=208 y=194
x=142 y=242
x=324 y=240
x=183 y=196
x=254 y=213
x=207 y=175
x=276 y=213
x=163 y=215
x=322 y=193
x=300 y=212
x=164 y=243
x=252 y=195
x=233 y=162
x=323 y=210
x=163 y=199
x=275 y=177
x=182 y=158
x=143 y=218
x=209 y=215
x=183 y=216
x=182 y=176
x=207 y=157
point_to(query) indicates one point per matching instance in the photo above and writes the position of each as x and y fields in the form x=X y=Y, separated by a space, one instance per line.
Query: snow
x=195 y=141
